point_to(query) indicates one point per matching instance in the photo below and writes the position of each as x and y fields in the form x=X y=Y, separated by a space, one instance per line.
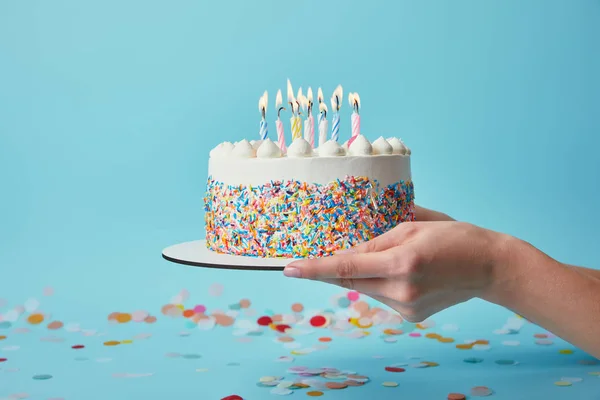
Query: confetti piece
x=572 y=380
x=77 y=346
x=544 y=342
x=481 y=391
x=394 y=369
x=314 y=393
x=42 y=377
x=232 y=397
x=112 y=343
x=506 y=362
x=35 y=319
x=562 y=383
x=565 y=351
x=456 y=396
x=389 y=384
x=473 y=360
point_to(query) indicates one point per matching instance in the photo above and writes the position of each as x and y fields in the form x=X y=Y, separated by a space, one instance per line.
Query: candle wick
x=356 y=106
x=324 y=113
x=337 y=102
x=263 y=112
x=279 y=111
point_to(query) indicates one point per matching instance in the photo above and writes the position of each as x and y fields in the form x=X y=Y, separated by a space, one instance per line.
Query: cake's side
x=304 y=206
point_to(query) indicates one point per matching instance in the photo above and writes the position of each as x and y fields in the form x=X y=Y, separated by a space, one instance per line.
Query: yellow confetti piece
x=563 y=383
x=594 y=373
x=2 y=337
x=445 y=340
x=126 y=341
x=35 y=319
x=566 y=351
x=112 y=343
x=201 y=369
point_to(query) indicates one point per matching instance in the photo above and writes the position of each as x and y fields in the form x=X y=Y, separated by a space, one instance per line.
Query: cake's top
x=306 y=140
x=300 y=147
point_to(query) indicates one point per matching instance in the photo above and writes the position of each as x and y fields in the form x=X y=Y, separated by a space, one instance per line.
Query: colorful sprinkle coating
x=297 y=219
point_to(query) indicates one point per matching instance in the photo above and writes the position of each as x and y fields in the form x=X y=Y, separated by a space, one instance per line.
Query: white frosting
x=222 y=150
x=360 y=147
x=345 y=145
x=243 y=149
x=268 y=149
x=397 y=146
x=300 y=148
x=331 y=148
x=381 y=146
x=255 y=144
x=387 y=169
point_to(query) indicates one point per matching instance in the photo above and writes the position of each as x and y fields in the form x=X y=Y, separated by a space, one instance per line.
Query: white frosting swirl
x=331 y=148
x=381 y=146
x=255 y=144
x=268 y=149
x=221 y=150
x=299 y=148
x=397 y=146
x=360 y=147
x=243 y=149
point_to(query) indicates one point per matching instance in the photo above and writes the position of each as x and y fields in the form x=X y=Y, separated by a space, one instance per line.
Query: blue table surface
x=174 y=356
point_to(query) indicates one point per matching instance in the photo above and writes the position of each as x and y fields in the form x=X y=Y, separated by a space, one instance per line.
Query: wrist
x=515 y=264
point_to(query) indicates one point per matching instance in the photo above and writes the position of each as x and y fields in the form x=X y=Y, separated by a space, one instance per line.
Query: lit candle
x=278 y=123
x=299 y=102
x=262 y=107
x=295 y=107
x=322 y=123
x=309 y=133
x=354 y=100
x=336 y=104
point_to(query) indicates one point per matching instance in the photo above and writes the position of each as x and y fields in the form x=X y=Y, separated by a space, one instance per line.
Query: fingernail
x=345 y=251
x=292 y=272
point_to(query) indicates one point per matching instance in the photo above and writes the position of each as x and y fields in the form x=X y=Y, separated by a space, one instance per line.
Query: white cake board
x=197 y=254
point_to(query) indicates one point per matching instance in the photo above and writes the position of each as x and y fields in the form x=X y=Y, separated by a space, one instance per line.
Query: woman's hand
x=418 y=268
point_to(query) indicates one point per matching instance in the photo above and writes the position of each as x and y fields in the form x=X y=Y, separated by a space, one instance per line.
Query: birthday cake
x=264 y=199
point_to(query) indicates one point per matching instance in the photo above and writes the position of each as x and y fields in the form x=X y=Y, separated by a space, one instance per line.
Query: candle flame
x=266 y=99
x=309 y=95
x=351 y=99
x=278 y=99
x=299 y=93
x=336 y=99
x=357 y=101
x=290 y=93
x=323 y=108
x=303 y=102
x=320 y=95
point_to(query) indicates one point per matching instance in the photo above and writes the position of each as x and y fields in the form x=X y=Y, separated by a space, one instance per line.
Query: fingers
x=354 y=266
x=371 y=286
x=394 y=237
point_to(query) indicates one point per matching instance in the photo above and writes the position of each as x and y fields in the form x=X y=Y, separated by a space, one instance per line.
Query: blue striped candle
x=263 y=131
x=335 y=127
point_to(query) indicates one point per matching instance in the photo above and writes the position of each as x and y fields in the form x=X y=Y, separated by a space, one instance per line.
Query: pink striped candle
x=280 y=135
x=355 y=118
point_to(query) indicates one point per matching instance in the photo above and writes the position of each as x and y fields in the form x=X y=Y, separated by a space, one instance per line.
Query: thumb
x=385 y=241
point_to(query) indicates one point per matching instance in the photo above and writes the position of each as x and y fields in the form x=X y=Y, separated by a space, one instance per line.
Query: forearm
x=587 y=271
x=564 y=300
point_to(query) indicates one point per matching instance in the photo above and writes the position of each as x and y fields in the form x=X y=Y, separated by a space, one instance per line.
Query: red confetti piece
x=318 y=321
x=2 y=359
x=78 y=346
x=394 y=369
x=264 y=321
x=232 y=397
x=282 y=328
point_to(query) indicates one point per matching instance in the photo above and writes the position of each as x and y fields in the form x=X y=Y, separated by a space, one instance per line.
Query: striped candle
x=354 y=100
x=296 y=127
x=336 y=104
x=335 y=127
x=280 y=135
x=322 y=124
x=263 y=129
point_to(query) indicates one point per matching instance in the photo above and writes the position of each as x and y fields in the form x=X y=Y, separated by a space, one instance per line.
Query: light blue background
x=108 y=111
